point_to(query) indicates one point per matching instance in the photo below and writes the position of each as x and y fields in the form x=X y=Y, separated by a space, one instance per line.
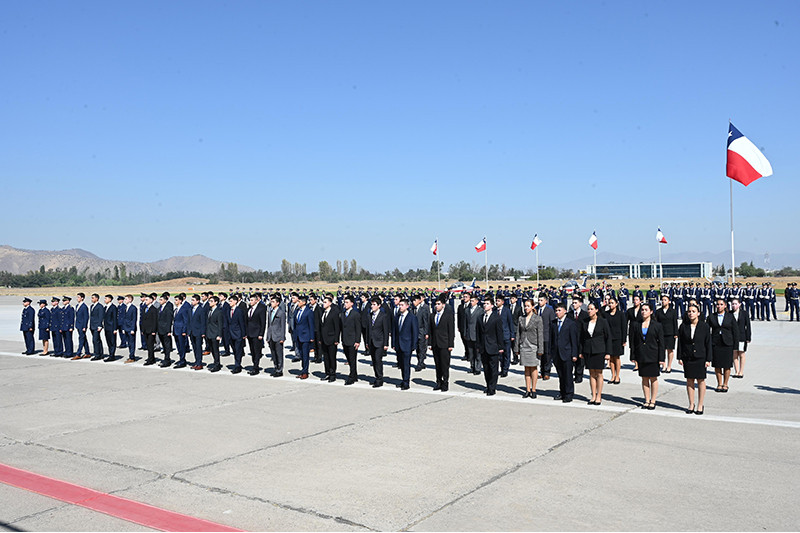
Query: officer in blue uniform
x=652 y=296
x=764 y=300
x=772 y=300
x=67 y=325
x=794 y=303
x=27 y=326
x=55 y=327
x=123 y=338
x=44 y=326
x=623 y=297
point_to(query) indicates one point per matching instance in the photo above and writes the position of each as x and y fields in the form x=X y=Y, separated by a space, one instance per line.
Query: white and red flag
x=435 y=247
x=746 y=163
x=660 y=237
x=481 y=246
x=536 y=242
x=593 y=240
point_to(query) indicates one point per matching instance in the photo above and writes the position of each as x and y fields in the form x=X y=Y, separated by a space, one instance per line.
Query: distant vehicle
x=458 y=287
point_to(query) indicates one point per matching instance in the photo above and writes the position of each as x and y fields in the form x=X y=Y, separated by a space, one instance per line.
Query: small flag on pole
x=481 y=246
x=746 y=163
x=435 y=247
x=660 y=237
x=593 y=240
x=536 y=242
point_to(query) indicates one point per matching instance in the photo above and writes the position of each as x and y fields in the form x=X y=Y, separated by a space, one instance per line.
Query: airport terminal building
x=650 y=270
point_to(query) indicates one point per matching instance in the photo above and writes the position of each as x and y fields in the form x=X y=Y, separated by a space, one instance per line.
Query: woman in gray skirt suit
x=529 y=346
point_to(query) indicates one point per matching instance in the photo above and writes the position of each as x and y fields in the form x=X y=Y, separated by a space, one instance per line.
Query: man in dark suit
x=96 y=318
x=564 y=348
x=473 y=314
x=214 y=326
x=365 y=311
x=351 y=335
x=507 y=321
x=405 y=335
x=128 y=327
x=329 y=330
x=379 y=329
x=461 y=320
x=442 y=340
x=316 y=308
x=110 y=327
x=579 y=315
x=225 y=307
x=256 y=321
x=82 y=324
x=548 y=315
x=27 y=326
x=238 y=332
x=150 y=328
x=180 y=328
x=166 y=316
x=490 y=343
x=142 y=308
x=423 y=314
x=515 y=306
x=67 y=325
x=197 y=331
x=304 y=330
x=276 y=333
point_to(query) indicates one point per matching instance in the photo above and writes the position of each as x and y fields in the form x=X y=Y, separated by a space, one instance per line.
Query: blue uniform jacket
x=508 y=323
x=67 y=318
x=197 y=322
x=182 y=318
x=405 y=339
x=82 y=316
x=236 y=324
x=304 y=325
x=129 y=320
x=44 y=319
x=97 y=314
x=28 y=315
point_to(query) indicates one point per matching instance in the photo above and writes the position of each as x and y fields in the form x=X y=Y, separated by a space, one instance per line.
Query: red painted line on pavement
x=132 y=511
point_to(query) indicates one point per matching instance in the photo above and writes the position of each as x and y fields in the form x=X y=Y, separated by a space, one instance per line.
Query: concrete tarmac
x=260 y=453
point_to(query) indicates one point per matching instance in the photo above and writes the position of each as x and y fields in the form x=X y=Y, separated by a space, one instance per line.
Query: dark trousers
x=130 y=342
x=256 y=346
x=506 y=355
x=377 y=353
x=473 y=357
x=774 y=312
x=83 y=344
x=111 y=342
x=150 y=344
x=329 y=359
x=123 y=339
x=566 y=386
x=58 y=349
x=765 y=310
x=30 y=344
x=226 y=340
x=213 y=344
x=547 y=360
x=97 y=343
x=579 y=366
x=142 y=337
x=422 y=349
x=66 y=341
x=294 y=340
x=794 y=310
x=166 y=344
x=491 y=362
x=351 y=354
x=182 y=346
x=404 y=362
x=319 y=351
x=276 y=351
x=623 y=304
x=441 y=359
x=197 y=346
x=237 y=345
x=304 y=351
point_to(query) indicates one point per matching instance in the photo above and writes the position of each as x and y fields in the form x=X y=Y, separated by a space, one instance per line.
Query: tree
x=339 y=266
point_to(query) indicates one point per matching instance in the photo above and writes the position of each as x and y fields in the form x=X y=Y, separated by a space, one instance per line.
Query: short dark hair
x=196 y=297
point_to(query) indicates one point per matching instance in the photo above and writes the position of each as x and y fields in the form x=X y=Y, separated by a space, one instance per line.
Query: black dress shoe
x=324 y=378
x=566 y=400
x=491 y=393
x=349 y=382
x=165 y=363
x=214 y=368
x=180 y=364
x=253 y=372
x=317 y=361
x=532 y=395
x=96 y=358
x=504 y=374
x=109 y=359
x=417 y=368
x=277 y=374
x=445 y=388
x=437 y=387
x=579 y=380
x=236 y=370
x=331 y=379
x=404 y=387
x=149 y=362
x=689 y=411
x=377 y=384
x=477 y=372
x=559 y=397
x=700 y=412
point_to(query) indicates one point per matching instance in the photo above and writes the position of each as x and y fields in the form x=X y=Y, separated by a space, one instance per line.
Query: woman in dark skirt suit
x=619 y=337
x=667 y=316
x=724 y=338
x=694 y=353
x=595 y=350
x=745 y=336
x=647 y=347
x=44 y=326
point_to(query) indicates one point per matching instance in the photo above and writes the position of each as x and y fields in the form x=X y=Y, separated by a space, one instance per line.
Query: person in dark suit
x=276 y=334
x=149 y=324
x=128 y=327
x=28 y=326
x=379 y=330
x=67 y=325
x=110 y=327
x=745 y=335
x=633 y=314
x=256 y=323
x=214 y=326
x=515 y=307
x=197 y=330
x=351 y=335
x=564 y=343
x=142 y=308
x=315 y=307
x=462 y=325
x=579 y=315
x=82 y=325
x=548 y=315
x=305 y=330
x=55 y=327
x=490 y=343
x=96 y=320
x=529 y=347
x=423 y=314
x=473 y=314
x=238 y=333
x=182 y=317
x=595 y=350
x=44 y=326
x=724 y=339
x=619 y=335
x=647 y=346
x=667 y=316
x=225 y=307
x=330 y=328
x=509 y=334
x=121 y=310
x=166 y=316
x=405 y=335
x=442 y=341
x=694 y=354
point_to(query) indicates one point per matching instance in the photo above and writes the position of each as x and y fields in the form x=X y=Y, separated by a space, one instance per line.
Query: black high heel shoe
x=700 y=412
x=690 y=410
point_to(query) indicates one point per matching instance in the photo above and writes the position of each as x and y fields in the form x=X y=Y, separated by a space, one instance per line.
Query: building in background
x=650 y=270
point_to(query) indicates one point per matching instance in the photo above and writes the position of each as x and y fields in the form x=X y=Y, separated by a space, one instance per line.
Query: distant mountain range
x=776 y=261
x=18 y=261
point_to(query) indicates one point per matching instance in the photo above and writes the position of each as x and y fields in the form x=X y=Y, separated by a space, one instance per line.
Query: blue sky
x=254 y=131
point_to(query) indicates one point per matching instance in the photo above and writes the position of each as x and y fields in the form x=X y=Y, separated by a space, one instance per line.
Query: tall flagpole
x=486 y=256
x=537 y=265
x=660 y=268
x=733 y=261
x=438 y=265
x=595 y=264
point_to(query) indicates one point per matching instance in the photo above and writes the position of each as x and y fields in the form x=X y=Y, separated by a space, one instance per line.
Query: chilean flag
x=481 y=246
x=746 y=163
x=593 y=240
x=660 y=237
x=536 y=242
x=435 y=247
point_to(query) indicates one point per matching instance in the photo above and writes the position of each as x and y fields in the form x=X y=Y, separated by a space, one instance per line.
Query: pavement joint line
x=665 y=388
x=518 y=466
x=39 y=513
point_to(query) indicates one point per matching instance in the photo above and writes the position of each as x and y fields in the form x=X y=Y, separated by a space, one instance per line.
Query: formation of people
x=538 y=328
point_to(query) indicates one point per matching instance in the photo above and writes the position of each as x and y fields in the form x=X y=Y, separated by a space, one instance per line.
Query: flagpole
x=595 y=264
x=733 y=261
x=486 y=256
x=438 y=265
x=537 y=265
x=660 y=268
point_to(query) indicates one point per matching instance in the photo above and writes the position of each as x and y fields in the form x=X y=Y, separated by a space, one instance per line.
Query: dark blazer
x=166 y=314
x=443 y=335
x=82 y=316
x=331 y=328
x=668 y=320
x=28 y=319
x=548 y=315
x=461 y=320
x=129 y=322
x=565 y=343
x=44 y=319
x=379 y=331
x=121 y=311
x=630 y=318
x=516 y=313
x=150 y=320
x=351 y=327
x=423 y=313
x=96 y=316
x=55 y=318
x=256 y=324
x=725 y=334
x=276 y=328
x=490 y=334
x=405 y=338
x=618 y=325
x=318 y=310
x=215 y=322
x=68 y=318
x=365 y=312
x=304 y=324
x=647 y=349
x=597 y=342
x=236 y=324
x=507 y=321
x=583 y=316
x=197 y=321
x=745 y=334
x=693 y=349
x=110 y=318
x=183 y=316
